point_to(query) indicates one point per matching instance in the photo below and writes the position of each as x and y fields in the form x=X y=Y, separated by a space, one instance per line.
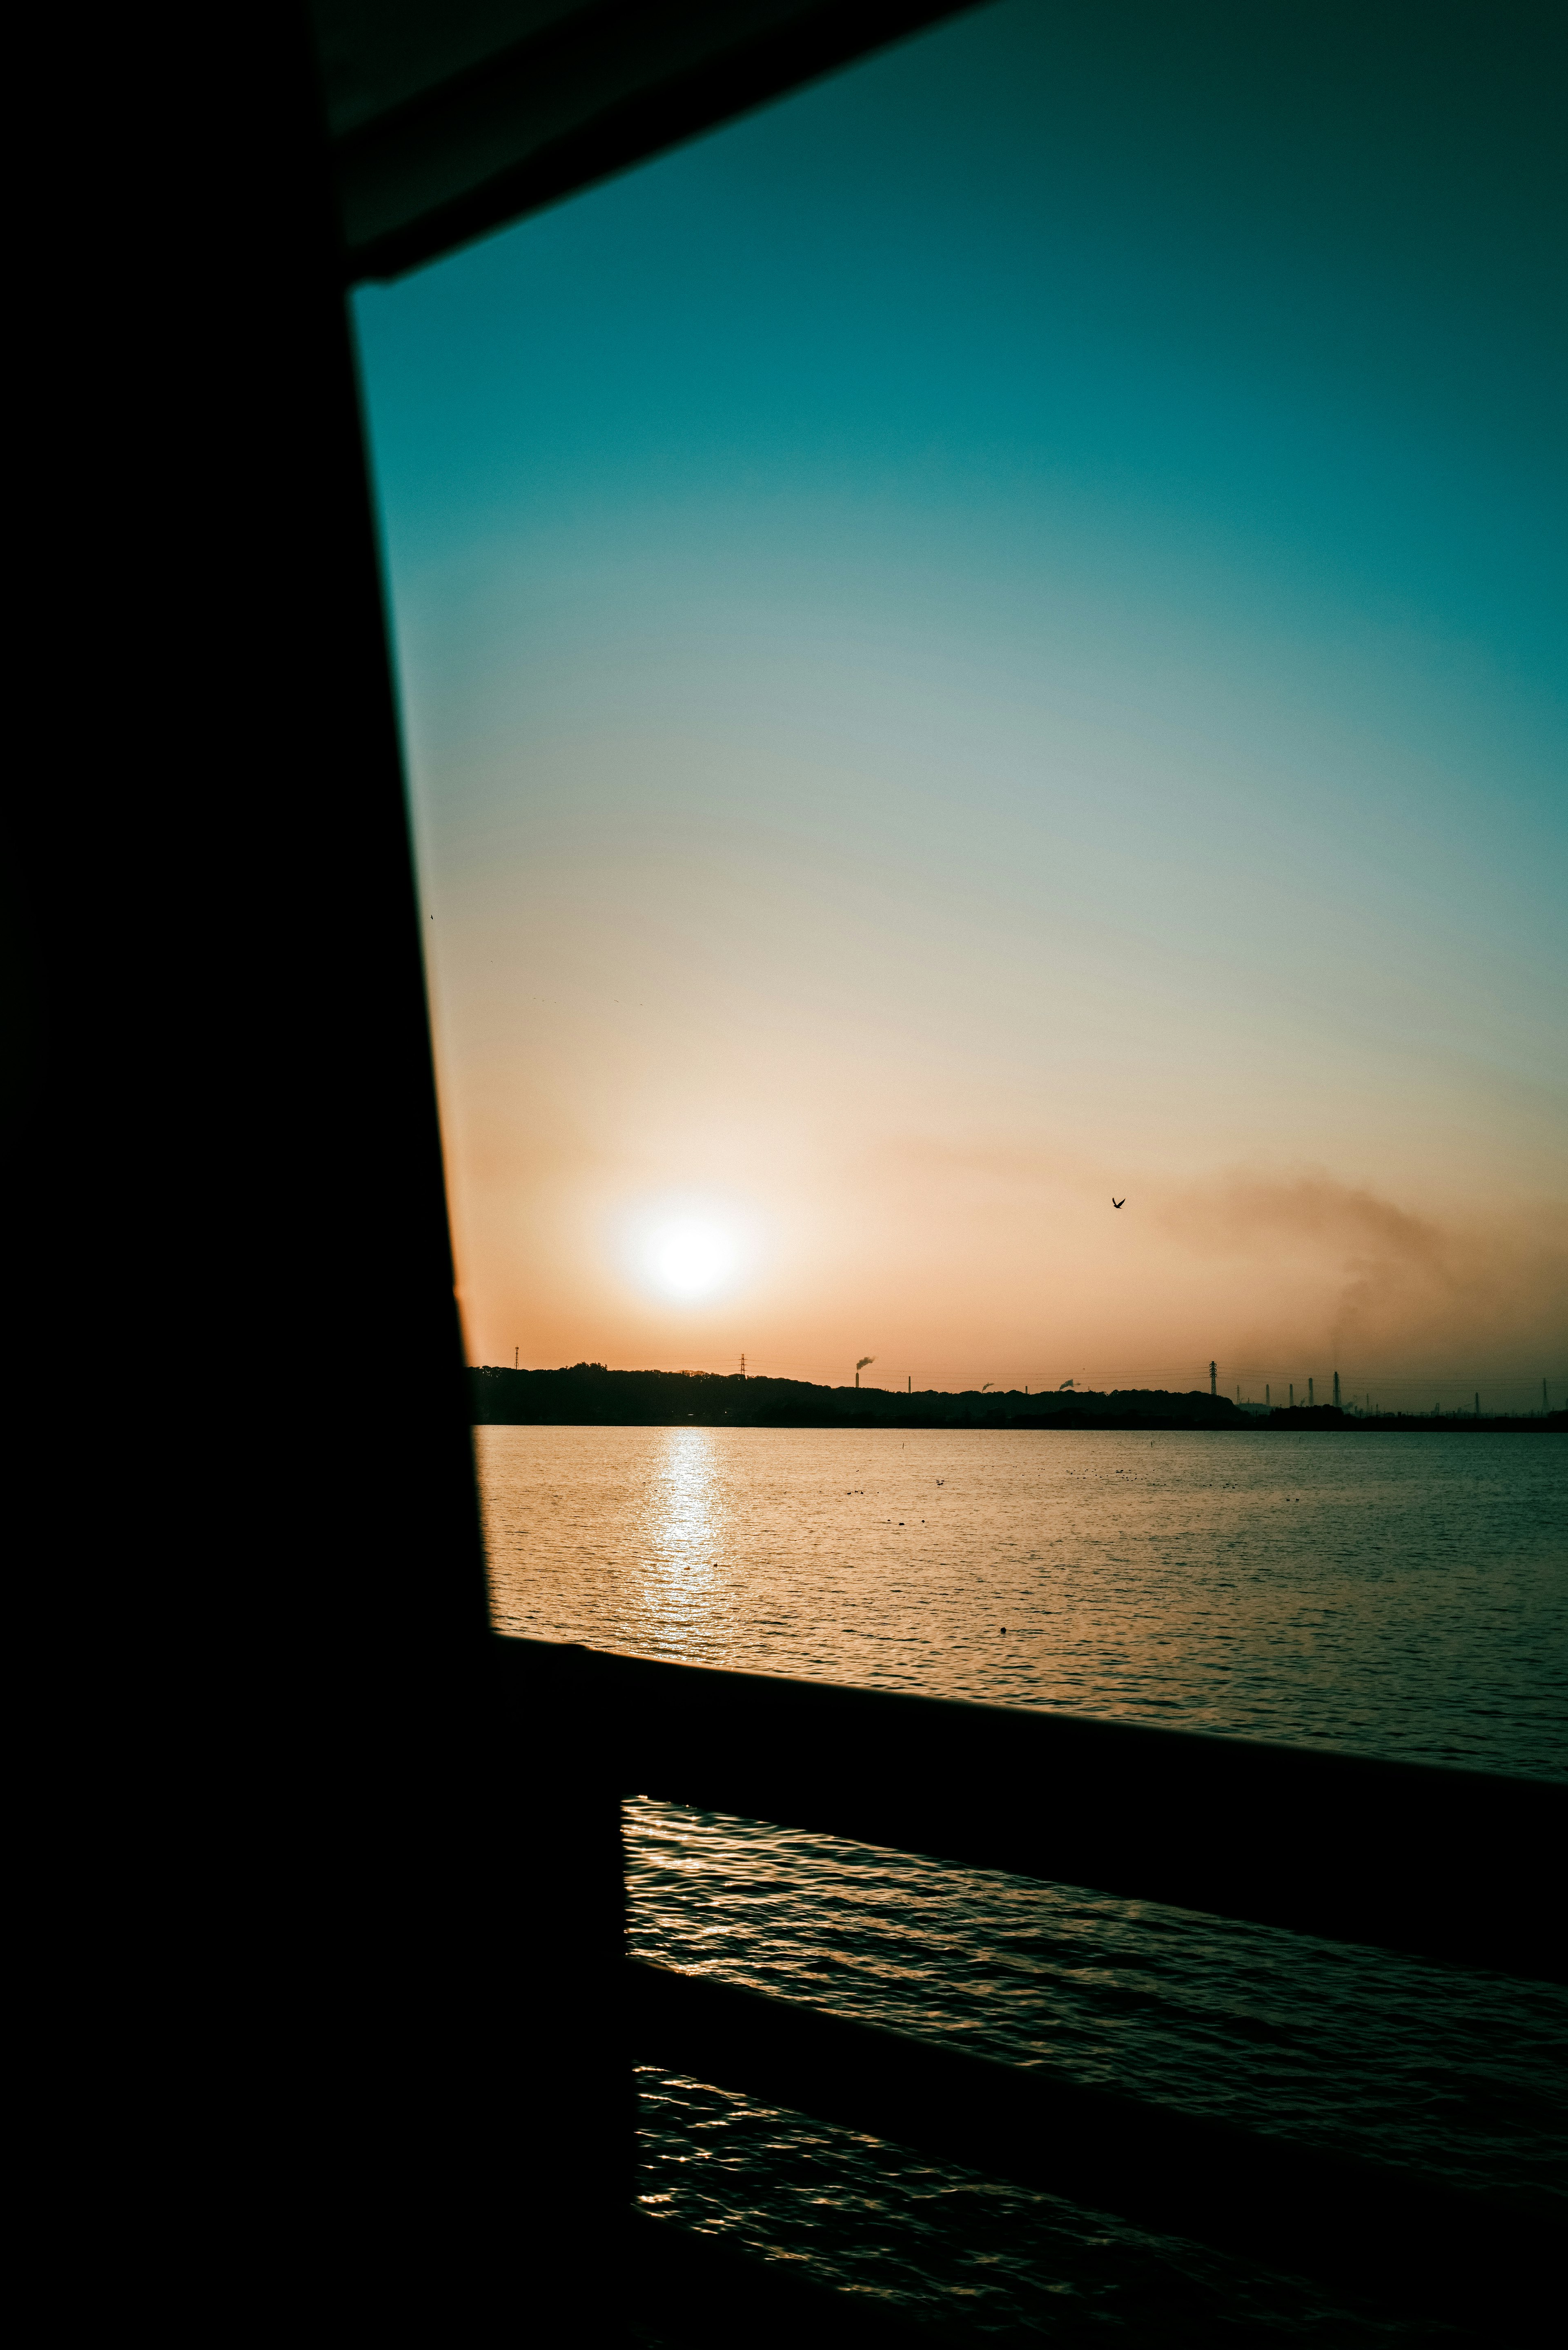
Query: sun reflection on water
x=682 y=1552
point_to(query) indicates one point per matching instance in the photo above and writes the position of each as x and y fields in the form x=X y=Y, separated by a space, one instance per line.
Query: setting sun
x=693 y=1258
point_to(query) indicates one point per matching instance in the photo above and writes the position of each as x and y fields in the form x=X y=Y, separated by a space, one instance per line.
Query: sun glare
x=689 y=1248
x=693 y=1258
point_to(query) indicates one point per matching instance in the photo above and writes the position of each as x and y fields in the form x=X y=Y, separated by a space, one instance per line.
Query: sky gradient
x=993 y=635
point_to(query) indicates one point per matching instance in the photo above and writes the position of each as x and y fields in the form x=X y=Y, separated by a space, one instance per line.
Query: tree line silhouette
x=590 y=1394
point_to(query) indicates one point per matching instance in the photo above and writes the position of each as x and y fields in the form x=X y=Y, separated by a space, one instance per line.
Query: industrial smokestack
x=1213 y=1388
x=860 y=1365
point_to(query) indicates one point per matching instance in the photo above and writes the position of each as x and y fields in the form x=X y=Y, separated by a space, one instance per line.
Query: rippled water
x=1391 y=1594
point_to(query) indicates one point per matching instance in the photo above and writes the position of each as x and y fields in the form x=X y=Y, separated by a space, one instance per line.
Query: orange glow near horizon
x=931 y=707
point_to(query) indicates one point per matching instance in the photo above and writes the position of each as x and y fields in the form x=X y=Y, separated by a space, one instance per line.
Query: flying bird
x=1121 y=1203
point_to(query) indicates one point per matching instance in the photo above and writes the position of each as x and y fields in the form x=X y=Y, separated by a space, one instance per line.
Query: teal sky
x=996 y=631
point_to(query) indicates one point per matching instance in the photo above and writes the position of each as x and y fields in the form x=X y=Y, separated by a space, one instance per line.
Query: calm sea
x=1388 y=1595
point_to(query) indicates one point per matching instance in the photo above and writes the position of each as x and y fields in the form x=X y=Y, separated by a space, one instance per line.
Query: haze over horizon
x=990 y=637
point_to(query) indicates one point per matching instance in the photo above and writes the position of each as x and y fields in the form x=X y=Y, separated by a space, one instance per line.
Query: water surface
x=1390 y=1595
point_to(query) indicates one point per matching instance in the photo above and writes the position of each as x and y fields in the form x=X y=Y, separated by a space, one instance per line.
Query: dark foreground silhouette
x=1306 y=1840
x=587 y=1394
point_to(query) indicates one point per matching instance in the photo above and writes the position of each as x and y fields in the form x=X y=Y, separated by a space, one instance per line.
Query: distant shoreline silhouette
x=590 y=1394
